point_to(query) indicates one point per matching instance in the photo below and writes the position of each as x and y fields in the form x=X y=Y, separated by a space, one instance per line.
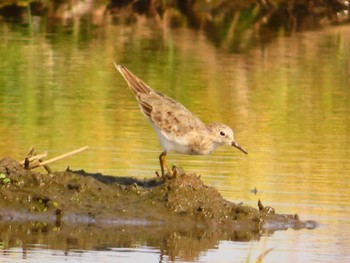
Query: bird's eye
x=222 y=133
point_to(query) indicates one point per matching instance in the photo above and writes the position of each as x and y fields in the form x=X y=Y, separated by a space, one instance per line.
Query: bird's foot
x=164 y=177
x=171 y=174
x=177 y=171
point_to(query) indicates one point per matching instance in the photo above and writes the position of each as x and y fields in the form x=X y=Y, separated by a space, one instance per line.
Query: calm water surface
x=288 y=101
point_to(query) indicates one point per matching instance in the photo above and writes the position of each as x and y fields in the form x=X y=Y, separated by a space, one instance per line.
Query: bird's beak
x=234 y=144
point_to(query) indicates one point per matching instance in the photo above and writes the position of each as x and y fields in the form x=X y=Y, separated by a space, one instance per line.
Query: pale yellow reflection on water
x=288 y=102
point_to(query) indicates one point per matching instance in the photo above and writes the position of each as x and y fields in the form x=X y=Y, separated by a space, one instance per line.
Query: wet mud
x=76 y=209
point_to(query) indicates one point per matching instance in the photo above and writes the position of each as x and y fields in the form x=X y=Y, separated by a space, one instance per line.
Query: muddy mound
x=80 y=197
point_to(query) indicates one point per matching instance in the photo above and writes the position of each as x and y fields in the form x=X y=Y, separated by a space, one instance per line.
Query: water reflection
x=288 y=102
x=155 y=238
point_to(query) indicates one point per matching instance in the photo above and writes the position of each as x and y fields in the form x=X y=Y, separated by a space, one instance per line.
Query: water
x=288 y=101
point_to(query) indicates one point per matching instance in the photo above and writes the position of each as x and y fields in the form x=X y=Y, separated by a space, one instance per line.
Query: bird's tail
x=134 y=83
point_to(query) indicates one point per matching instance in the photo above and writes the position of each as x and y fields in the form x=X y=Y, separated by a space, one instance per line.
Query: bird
x=177 y=128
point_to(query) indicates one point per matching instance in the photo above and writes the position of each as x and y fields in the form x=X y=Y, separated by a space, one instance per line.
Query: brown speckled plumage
x=176 y=127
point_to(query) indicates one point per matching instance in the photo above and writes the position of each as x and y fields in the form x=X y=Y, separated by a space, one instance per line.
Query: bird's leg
x=162 y=161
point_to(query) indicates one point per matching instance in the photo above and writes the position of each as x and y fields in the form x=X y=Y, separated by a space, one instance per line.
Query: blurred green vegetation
x=230 y=24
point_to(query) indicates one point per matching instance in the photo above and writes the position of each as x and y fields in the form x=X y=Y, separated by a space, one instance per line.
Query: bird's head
x=224 y=135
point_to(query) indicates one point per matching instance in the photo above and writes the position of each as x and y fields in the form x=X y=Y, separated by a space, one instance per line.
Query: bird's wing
x=164 y=112
x=136 y=85
x=170 y=116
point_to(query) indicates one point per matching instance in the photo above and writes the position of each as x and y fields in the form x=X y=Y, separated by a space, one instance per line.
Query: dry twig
x=33 y=161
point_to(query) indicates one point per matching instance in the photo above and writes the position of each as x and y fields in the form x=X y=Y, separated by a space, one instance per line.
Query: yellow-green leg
x=163 y=162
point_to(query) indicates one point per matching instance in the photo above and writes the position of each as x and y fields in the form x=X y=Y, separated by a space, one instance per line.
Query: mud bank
x=67 y=200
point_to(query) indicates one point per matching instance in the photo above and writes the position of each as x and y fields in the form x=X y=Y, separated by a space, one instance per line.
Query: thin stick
x=64 y=155
x=30 y=152
x=39 y=156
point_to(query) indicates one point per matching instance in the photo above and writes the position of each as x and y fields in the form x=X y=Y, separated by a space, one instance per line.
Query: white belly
x=182 y=145
x=172 y=143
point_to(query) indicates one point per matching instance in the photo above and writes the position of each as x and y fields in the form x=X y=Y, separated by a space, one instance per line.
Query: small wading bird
x=177 y=128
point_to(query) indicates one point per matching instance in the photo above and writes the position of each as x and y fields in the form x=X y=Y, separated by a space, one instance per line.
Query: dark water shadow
x=121 y=180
